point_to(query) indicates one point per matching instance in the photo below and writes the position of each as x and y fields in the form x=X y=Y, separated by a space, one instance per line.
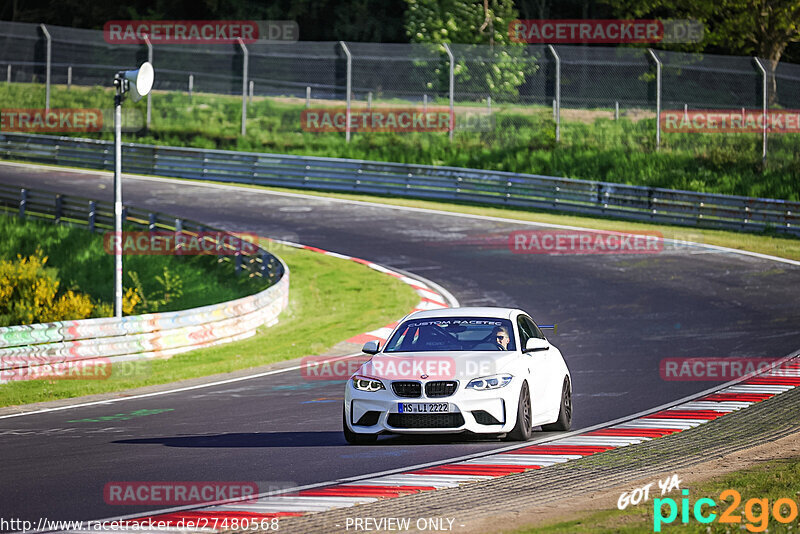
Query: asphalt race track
x=618 y=316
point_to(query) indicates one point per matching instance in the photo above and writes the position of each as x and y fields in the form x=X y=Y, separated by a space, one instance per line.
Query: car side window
x=533 y=328
x=525 y=332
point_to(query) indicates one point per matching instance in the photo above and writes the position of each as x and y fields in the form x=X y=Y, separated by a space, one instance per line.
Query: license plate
x=423 y=407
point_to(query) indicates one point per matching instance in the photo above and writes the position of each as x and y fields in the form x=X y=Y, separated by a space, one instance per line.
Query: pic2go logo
x=756 y=511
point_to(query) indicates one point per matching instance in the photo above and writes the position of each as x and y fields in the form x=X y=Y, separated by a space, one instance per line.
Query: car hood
x=444 y=365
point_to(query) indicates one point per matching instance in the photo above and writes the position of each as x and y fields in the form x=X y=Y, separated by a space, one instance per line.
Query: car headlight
x=363 y=383
x=489 y=382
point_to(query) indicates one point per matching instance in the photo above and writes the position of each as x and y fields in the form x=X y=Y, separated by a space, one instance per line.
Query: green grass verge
x=330 y=300
x=84 y=266
x=774 y=480
x=523 y=140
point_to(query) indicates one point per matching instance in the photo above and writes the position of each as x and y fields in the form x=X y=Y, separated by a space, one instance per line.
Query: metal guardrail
x=417 y=181
x=51 y=350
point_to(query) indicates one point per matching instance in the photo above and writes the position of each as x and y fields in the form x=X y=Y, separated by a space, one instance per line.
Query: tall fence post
x=8 y=74
x=658 y=97
x=763 y=113
x=308 y=96
x=452 y=87
x=69 y=77
x=191 y=85
x=349 y=87
x=557 y=60
x=150 y=93
x=244 y=87
x=47 y=74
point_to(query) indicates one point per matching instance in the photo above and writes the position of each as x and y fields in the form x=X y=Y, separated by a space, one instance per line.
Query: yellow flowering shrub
x=29 y=294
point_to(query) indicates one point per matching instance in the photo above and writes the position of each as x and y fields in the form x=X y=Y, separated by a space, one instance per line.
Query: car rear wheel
x=522 y=430
x=564 y=421
x=354 y=438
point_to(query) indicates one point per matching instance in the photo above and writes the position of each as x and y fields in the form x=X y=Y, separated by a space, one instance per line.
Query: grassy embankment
x=523 y=141
x=346 y=291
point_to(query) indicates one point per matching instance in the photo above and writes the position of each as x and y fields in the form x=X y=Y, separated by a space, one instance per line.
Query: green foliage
x=29 y=293
x=751 y=27
x=497 y=72
x=169 y=288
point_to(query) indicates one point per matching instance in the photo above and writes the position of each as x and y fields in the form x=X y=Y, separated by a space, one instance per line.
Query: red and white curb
x=431 y=297
x=515 y=459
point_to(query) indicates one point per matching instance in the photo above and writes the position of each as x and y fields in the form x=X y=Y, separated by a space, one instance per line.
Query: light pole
x=138 y=82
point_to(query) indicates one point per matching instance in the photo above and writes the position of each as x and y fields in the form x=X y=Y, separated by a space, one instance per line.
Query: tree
x=752 y=27
x=497 y=69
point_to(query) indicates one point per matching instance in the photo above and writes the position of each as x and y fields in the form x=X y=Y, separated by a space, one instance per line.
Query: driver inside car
x=501 y=337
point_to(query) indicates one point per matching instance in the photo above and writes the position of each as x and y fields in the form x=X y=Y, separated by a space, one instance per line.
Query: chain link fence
x=555 y=92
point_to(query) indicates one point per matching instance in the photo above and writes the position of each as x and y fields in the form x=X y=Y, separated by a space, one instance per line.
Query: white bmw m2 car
x=479 y=370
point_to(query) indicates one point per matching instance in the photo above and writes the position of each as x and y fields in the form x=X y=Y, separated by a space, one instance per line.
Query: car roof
x=467 y=311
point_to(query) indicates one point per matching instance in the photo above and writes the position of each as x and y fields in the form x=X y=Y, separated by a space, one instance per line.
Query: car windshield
x=452 y=334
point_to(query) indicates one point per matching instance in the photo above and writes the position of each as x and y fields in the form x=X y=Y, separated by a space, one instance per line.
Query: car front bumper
x=479 y=412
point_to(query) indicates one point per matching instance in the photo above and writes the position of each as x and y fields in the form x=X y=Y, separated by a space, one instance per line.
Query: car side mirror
x=371 y=347
x=536 y=344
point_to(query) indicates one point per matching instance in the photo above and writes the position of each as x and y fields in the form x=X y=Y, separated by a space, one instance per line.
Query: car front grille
x=441 y=388
x=407 y=389
x=433 y=420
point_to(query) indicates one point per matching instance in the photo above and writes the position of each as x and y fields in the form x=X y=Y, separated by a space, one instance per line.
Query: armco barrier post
x=92 y=215
x=47 y=74
x=59 y=208
x=244 y=87
x=23 y=201
x=349 y=87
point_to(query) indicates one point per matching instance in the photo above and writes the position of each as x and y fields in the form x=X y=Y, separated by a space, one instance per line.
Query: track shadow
x=246 y=439
x=306 y=439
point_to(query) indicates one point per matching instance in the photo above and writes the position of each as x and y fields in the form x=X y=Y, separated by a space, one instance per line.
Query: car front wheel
x=354 y=438
x=522 y=430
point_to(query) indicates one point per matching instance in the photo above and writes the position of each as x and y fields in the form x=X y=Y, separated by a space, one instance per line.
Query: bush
x=29 y=293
